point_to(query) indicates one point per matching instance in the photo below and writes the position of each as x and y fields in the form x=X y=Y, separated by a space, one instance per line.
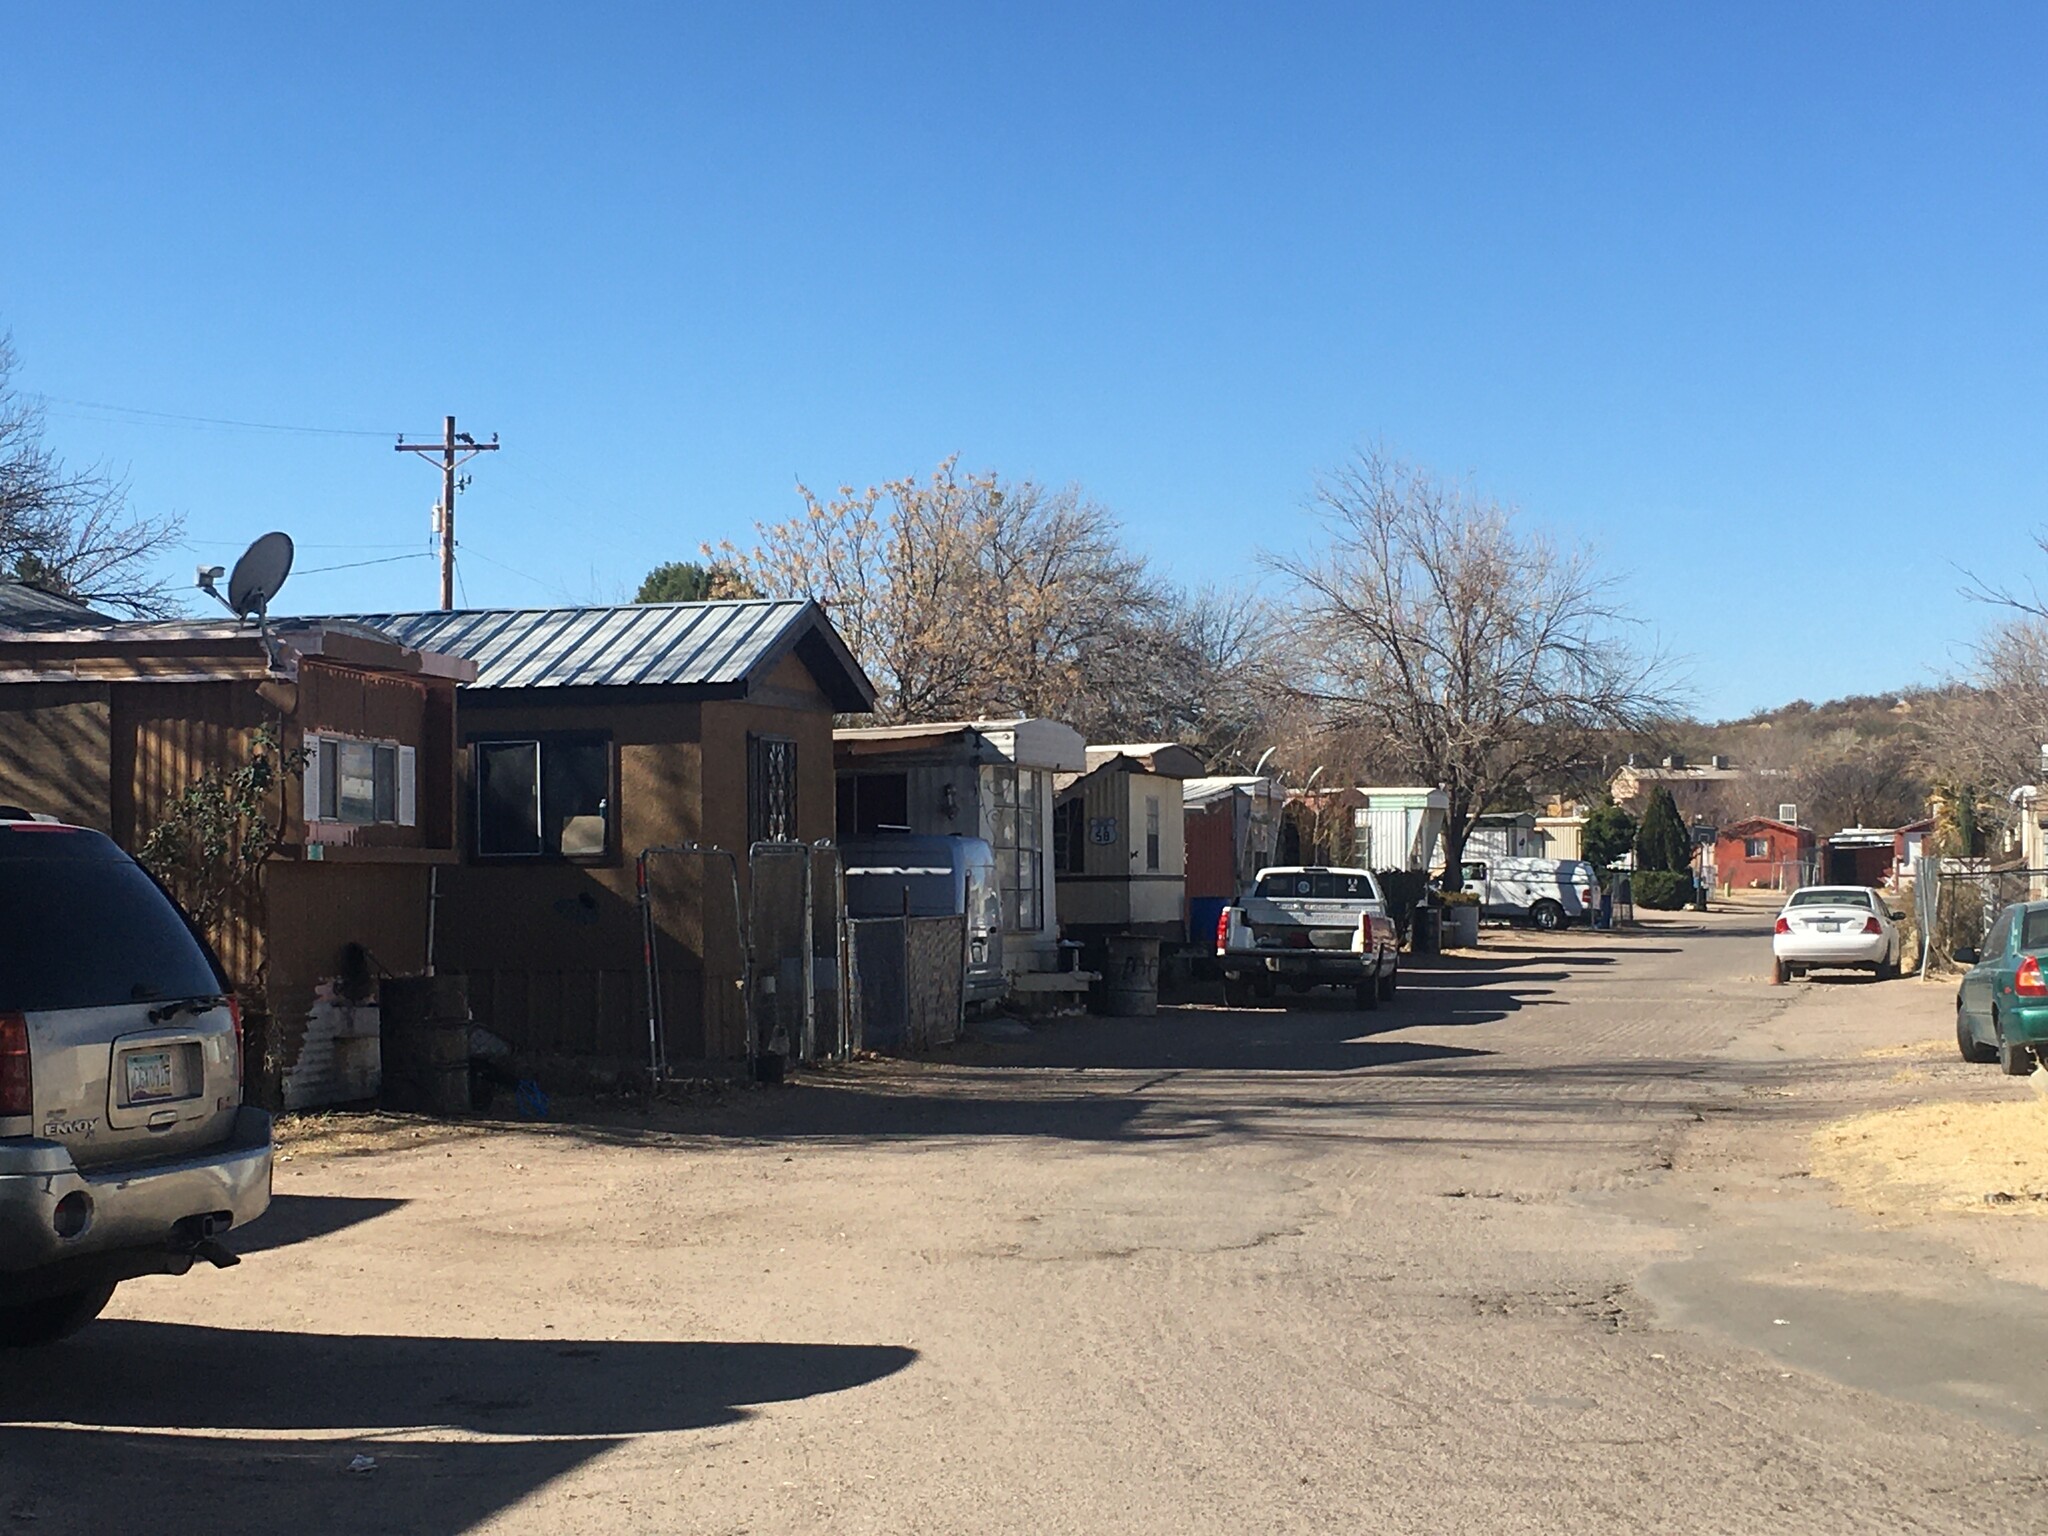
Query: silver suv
x=125 y=1148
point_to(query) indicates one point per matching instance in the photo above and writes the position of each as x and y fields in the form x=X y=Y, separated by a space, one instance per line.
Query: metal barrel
x=1130 y=987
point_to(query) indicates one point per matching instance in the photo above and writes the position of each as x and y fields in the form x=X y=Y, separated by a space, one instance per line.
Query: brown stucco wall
x=554 y=950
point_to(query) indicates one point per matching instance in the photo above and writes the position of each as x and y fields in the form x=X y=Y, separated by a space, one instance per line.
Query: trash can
x=1461 y=927
x=1130 y=982
x=424 y=1024
x=1425 y=930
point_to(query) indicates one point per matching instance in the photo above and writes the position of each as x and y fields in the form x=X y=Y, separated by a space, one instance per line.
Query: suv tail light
x=235 y=1013
x=17 y=1083
x=2027 y=982
x=1783 y=926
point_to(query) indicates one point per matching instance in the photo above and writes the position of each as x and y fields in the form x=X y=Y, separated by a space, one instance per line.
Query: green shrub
x=1662 y=843
x=1609 y=833
x=1663 y=890
x=1458 y=899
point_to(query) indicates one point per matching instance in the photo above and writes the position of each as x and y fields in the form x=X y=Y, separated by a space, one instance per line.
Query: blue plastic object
x=533 y=1104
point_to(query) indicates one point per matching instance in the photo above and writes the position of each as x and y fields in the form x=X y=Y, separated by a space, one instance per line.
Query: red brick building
x=1763 y=854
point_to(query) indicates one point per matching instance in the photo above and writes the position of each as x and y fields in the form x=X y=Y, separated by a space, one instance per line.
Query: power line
x=210 y=421
x=297 y=543
x=545 y=586
x=356 y=565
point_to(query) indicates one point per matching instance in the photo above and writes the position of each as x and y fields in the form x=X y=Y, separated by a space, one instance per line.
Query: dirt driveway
x=1536 y=1248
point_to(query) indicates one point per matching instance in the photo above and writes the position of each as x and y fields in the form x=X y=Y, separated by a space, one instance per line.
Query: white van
x=1548 y=892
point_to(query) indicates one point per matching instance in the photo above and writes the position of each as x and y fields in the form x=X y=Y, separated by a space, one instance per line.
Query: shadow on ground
x=300 y=1218
x=135 y=1426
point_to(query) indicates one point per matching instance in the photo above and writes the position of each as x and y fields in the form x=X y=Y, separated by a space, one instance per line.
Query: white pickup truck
x=1304 y=926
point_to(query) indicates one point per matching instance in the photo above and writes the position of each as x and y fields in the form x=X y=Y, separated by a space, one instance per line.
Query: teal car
x=2002 y=1005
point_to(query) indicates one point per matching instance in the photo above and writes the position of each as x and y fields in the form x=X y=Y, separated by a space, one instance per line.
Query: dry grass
x=1916 y=1048
x=354 y=1133
x=1927 y=1158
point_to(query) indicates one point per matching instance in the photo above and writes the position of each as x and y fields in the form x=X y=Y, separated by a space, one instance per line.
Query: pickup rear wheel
x=1547 y=915
x=1388 y=982
x=1369 y=994
x=33 y=1323
x=1237 y=992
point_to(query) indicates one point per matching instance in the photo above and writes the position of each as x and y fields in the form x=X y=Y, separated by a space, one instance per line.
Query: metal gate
x=908 y=982
x=786 y=929
x=796 y=911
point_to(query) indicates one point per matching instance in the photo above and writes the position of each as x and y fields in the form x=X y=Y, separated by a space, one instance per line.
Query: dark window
x=1832 y=896
x=546 y=797
x=2034 y=933
x=1756 y=848
x=1151 y=831
x=1070 y=837
x=1317 y=884
x=771 y=789
x=81 y=926
x=873 y=802
x=384 y=784
x=2001 y=934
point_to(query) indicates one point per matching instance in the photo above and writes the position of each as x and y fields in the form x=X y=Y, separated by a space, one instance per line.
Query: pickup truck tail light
x=2027 y=982
x=17 y=1084
x=1222 y=930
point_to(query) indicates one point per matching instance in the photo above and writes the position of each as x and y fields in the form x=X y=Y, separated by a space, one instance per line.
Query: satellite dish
x=259 y=574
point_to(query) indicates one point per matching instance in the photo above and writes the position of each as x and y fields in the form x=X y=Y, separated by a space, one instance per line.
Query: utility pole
x=456 y=448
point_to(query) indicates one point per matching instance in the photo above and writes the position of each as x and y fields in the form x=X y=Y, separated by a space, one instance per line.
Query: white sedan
x=1836 y=928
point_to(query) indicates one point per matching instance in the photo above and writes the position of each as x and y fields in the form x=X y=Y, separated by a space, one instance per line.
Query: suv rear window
x=1324 y=884
x=81 y=926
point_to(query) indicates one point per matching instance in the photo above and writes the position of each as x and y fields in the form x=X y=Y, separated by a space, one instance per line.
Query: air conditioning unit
x=1720 y=762
x=1789 y=814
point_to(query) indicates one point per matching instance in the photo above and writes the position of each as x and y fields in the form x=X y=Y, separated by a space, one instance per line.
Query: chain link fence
x=1958 y=899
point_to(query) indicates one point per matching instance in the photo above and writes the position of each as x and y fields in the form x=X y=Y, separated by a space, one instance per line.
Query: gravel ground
x=1536 y=1248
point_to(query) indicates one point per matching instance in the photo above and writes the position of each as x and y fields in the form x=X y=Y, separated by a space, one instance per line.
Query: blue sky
x=1749 y=298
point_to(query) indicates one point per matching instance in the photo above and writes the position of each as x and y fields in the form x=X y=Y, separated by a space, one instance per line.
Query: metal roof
x=24 y=606
x=676 y=644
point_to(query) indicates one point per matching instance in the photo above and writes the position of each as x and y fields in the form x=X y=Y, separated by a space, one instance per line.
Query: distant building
x=1632 y=784
x=1563 y=834
x=1231 y=826
x=1118 y=853
x=1761 y=853
x=1399 y=828
x=1506 y=835
x=992 y=779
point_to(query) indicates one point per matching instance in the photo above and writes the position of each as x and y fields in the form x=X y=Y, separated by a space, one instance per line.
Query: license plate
x=150 y=1077
x=1829 y=927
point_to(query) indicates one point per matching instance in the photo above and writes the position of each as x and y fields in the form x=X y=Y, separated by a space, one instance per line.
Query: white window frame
x=404 y=781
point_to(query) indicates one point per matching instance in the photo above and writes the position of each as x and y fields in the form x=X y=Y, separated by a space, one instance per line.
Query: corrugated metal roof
x=27 y=607
x=686 y=644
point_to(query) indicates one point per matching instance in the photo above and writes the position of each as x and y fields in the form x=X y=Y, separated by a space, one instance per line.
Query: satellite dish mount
x=256 y=579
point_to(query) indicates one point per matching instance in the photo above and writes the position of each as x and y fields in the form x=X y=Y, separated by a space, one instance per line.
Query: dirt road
x=1535 y=1248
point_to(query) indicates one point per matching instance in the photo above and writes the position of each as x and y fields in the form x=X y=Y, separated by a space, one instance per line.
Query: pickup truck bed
x=1308 y=926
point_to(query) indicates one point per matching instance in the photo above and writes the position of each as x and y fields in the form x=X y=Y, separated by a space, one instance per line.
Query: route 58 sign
x=1102 y=831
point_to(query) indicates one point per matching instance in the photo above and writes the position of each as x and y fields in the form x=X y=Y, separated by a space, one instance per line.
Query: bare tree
x=67 y=529
x=971 y=595
x=1461 y=651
